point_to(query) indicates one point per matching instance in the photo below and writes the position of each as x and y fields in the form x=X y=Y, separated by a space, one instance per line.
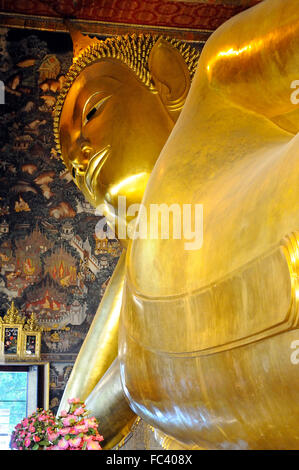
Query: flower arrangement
x=32 y=432
x=72 y=430
x=75 y=430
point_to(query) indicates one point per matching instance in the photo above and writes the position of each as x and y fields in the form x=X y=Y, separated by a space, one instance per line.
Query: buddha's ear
x=170 y=74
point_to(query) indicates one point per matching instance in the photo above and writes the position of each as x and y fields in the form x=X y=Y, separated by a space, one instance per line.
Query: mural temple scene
x=149 y=226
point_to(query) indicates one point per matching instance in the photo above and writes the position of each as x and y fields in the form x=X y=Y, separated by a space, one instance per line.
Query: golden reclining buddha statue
x=203 y=337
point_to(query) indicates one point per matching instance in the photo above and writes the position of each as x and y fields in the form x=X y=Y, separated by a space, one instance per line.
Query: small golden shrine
x=20 y=339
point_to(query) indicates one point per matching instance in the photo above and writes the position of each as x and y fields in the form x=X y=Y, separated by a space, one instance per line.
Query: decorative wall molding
x=44 y=23
x=191 y=20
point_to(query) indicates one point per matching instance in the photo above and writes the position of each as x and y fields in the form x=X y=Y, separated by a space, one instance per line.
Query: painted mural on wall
x=51 y=262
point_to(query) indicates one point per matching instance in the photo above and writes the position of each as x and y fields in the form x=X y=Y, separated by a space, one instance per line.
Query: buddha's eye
x=91 y=113
x=94 y=109
x=74 y=172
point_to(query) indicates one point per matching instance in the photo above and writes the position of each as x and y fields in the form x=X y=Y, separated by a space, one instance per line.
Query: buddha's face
x=112 y=130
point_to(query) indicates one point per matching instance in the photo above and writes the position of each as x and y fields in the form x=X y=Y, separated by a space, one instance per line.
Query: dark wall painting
x=51 y=262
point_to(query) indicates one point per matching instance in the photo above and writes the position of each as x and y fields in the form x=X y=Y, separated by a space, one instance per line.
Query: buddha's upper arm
x=253 y=59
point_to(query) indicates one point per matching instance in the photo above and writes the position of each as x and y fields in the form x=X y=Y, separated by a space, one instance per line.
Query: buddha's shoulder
x=251 y=303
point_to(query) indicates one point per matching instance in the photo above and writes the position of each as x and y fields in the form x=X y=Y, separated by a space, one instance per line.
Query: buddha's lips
x=94 y=167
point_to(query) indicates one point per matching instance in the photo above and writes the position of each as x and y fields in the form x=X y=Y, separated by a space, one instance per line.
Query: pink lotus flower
x=69 y=420
x=63 y=444
x=25 y=422
x=27 y=442
x=74 y=400
x=36 y=438
x=93 y=445
x=63 y=413
x=42 y=418
x=31 y=428
x=76 y=442
x=91 y=423
x=52 y=435
x=79 y=411
x=64 y=431
x=81 y=428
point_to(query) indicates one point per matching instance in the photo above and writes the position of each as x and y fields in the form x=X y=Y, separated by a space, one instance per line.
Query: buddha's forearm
x=253 y=59
x=108 y=404
x=101 y=343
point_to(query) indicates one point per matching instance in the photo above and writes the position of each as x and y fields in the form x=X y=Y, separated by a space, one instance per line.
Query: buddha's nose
x=80 y=158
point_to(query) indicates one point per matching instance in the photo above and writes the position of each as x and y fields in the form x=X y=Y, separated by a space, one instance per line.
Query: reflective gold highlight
x=205 y=335
x=121 y=99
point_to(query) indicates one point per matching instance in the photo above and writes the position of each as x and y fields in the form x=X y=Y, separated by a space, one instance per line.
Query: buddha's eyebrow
x=81 y=96
x=103 y=77
x=101 y=93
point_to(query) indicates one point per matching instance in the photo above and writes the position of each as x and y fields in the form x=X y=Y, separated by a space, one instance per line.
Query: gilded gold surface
x=106 y=401
x=221 y=320
x=101 y=343
x=110 y=144
x=205 y=335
